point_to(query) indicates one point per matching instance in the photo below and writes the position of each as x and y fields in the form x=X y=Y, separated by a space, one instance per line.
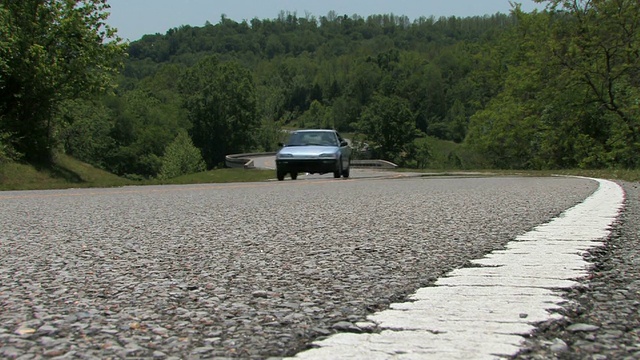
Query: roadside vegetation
x=542 y=91
x=70 y=173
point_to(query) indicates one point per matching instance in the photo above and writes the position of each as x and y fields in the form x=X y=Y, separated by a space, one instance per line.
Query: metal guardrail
x=377 y=163
x=245 y=161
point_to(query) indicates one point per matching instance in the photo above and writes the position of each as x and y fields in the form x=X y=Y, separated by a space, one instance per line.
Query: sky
x=135 y=18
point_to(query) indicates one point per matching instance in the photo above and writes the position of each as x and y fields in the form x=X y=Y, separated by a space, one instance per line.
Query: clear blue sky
x=134 y=18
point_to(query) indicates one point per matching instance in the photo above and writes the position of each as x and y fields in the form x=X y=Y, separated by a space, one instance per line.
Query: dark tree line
x=330 y=72
x=551 y=89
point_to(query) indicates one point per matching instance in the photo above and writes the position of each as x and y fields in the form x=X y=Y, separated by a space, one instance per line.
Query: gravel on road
x=245 y=270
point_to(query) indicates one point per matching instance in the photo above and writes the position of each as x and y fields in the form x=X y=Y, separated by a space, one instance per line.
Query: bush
x=7 y=150
x=181 y=157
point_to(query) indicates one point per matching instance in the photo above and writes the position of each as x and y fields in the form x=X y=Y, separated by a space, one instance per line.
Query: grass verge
x=610 y=174
x=221 y=176
x=70 y=173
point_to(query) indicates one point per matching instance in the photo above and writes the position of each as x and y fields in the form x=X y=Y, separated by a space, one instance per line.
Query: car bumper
x=311 y=166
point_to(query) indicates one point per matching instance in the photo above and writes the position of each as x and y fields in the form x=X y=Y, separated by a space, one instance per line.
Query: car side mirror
x=280 y=144
x=344 y=143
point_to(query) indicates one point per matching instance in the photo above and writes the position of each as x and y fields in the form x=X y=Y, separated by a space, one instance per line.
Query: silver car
x=314 y=151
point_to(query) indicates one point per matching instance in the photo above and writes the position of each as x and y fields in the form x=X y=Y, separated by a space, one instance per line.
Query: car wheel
x=294 y=175
x=338 y=172
x=280 y=175
x=345 y=172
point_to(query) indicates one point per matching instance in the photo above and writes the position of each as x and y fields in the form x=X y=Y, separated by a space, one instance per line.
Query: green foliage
x=142 y=119
x=66 y=172
x=7 y=43
x=544 y=90
x=7 y=149
x=269 y=135
x=85 y=131
x=221 y=103
x=222 y=176
x=181 y=157
x=570 y=93
x=424 y=153
x=308 y=72
x=389 y=126
x=51 y=51
x=338 y=61
x=142 y=127
x=437 y=154
x=457 y=121
x=600 y=48
x=504 y=133
x=318 y=116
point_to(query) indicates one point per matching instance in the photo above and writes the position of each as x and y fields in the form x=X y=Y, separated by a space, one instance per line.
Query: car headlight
x=328 y=155
x=282 y=156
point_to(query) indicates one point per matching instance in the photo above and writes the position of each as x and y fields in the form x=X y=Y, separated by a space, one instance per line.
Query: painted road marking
x=484 y=312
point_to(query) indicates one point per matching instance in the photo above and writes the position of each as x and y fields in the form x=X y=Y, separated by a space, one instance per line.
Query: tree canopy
x=557 y=88
x=51 y=51
x=571 y=95
x=221 y=104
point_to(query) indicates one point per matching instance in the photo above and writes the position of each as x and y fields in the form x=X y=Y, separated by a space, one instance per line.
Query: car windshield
x=319 y=138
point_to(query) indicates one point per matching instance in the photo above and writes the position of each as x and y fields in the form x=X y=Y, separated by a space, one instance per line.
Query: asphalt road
x=268 y=162
x=251 y=270
x=264 y=162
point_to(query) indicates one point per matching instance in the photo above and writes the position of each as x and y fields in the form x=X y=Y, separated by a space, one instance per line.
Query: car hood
x=308 y=150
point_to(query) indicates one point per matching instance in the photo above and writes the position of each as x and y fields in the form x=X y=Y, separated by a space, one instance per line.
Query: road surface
x=255 y=270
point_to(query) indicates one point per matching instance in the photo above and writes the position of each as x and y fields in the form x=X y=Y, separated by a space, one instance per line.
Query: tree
x=457 y=121
x=143 y=127
x=51 y=51
x=221 y=104
x=86 y=133
x=511 y=131
x=423 y=153
x=181 y=157
x=597 y=44
x=389 y=126
x=570 y=96
x=505 y=133
x=7 y=150
x=318 y=116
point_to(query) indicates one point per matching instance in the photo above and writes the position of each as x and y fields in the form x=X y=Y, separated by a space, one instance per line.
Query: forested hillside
x=543 y=90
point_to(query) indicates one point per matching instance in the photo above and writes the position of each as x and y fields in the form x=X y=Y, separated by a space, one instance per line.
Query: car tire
x=337 y=173
x=294 y=175
x=345 y=172
x=280 y=175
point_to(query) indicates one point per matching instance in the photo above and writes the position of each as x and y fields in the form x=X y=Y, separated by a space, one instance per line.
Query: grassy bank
x=71 y=173
x=447 y=155
x=624 y=175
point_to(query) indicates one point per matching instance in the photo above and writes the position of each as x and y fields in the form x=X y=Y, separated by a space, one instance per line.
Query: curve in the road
x=484 y=312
